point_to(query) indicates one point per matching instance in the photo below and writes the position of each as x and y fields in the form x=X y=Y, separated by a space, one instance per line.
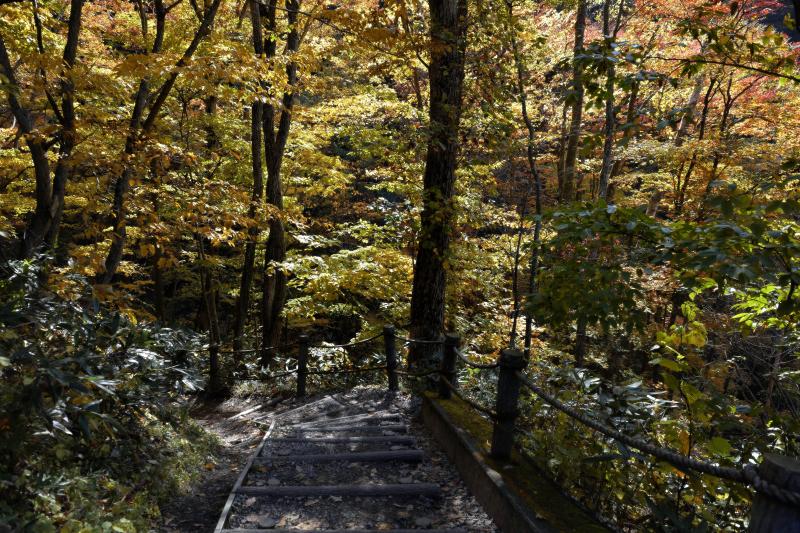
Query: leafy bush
x=91 y=428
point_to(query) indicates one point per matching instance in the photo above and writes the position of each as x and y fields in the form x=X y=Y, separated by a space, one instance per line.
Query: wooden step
x=366 y=490
x=457 y=530
x=341 y=421
x=356 y=457
x=354 y=429
x=392 y=439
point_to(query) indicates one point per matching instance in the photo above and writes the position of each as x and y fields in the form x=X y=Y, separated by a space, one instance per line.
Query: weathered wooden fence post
x=391 y=357
x=448 y=368
x=302 y=365
x=508 y=385
x=768 y=514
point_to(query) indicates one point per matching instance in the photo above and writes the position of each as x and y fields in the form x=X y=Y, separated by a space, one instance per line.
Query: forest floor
x=199 y=508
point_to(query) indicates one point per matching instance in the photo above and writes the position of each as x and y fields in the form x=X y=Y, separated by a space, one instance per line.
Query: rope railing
x=337 y=371
x=472 y=403
x=407 y=340
x=747 y=475
x=511 y=380
x=417 y=375
x=676 y=459
x=262 y=350
x=469 y=363
x=349 y=344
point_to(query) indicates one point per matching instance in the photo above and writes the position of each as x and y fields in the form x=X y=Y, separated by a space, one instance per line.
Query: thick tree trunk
x=448 y=44
x=568 y=188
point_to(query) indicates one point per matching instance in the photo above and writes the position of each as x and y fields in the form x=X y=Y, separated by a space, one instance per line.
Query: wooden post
x=771 y=515
x=302 y=365
x=214 y=378
x=448 y=368
x=391 y=357
x=508 y=386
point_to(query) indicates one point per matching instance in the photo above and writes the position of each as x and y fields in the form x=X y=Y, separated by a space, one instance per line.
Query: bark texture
x=448 y=44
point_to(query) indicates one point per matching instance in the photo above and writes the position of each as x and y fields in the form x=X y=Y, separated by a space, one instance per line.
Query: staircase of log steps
x=339 y=464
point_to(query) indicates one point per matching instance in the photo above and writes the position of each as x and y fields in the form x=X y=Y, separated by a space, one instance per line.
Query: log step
x=457 y=530
x=393 y=439
x=357 y=457
x=349 y=419
x=356 y=429
x=366 y=490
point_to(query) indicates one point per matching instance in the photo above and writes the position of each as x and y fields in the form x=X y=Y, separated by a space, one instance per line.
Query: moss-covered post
x=770 y=514
x=448 y=367
x=391 y=357
x=508 y=386
x=302 y=365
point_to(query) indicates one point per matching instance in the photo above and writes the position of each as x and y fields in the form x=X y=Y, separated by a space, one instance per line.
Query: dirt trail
x=198 y=510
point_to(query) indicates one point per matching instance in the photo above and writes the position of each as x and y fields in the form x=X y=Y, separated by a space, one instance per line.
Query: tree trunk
x=610 y=127
x=139 y=129
x=683 y=185
x=568 y=189
x=209 y=300
x=629 y=130
x=530 y=150
x=448 y=45
x=43 y=226
x=256 y=119
x=274 y=295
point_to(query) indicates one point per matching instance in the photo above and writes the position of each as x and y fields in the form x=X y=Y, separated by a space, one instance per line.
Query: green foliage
x=91 y=435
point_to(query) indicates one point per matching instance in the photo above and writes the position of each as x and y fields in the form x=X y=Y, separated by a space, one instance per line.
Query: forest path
x=357 y=461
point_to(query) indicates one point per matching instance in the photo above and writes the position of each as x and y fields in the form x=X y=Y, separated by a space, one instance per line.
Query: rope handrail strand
x=417 y=374
x=674 y=458
x=281 y=374
x=349 y=344
x=345 y=371
x=256 y=350
x=243 y=350
x=748 y=475
x=262 y=377
x=468 y=362
x=475 y=405
x=409 y=340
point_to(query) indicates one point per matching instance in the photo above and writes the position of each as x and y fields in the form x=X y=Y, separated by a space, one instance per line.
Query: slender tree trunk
x=139 y=130
x=728 y=101
x=568 y=190
x=530 y=152
x=209 y=300
x=274 y=295
x=569 y=187
x=683 y=184
x=446 y=71
x=629 y=121
x=256 y=119
x=610 y=127
x=158 y=285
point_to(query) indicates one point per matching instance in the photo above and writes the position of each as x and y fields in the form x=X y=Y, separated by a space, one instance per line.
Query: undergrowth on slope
x=94 y=426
